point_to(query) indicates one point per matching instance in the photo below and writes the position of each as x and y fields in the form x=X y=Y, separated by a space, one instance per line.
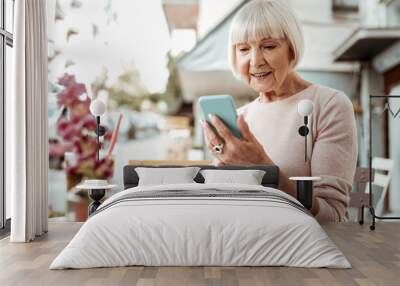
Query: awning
x=366 y=43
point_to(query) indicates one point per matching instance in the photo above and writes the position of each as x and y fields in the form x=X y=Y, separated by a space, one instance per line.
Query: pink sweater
x=332 y=143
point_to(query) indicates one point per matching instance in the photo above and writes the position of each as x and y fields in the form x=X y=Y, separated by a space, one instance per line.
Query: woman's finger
x=211 y=138
x=222 y=130
x=244 y=128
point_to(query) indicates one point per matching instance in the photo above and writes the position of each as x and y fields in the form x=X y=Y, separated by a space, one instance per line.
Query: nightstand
x=96 y=190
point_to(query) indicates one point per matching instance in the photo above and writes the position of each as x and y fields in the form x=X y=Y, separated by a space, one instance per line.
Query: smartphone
x=222 y=106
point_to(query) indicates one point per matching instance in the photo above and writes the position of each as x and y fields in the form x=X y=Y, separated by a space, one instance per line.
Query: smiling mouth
x=260 y=74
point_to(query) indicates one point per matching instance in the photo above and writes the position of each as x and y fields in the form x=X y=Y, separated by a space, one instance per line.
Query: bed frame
x=270 y=179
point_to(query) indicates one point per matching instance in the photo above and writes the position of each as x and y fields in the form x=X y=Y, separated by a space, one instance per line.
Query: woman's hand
x=244 y=151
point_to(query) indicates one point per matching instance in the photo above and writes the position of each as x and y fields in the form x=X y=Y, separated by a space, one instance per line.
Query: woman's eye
x=243 y=49
x=269 y=47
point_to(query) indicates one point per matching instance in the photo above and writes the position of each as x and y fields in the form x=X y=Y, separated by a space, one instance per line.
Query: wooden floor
x=375 y=257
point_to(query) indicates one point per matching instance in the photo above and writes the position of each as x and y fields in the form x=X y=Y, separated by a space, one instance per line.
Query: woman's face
x=263 y=64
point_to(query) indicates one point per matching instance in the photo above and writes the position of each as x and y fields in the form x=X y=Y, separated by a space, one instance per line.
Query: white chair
x=359 y=199
x=382 y=175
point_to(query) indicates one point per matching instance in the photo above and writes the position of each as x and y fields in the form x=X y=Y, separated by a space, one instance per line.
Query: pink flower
x=80 y=109
x=104 y=168
x=70 y=95
x=66 y=80
x=89 y=122
x=62 y=124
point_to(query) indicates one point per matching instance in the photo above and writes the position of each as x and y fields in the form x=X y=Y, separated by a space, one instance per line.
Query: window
x=346 y=6
x=393 y=13
x=6 y=43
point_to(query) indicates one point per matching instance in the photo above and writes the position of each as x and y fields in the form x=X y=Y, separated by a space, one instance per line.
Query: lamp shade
x=97 y=107
x=305 y=107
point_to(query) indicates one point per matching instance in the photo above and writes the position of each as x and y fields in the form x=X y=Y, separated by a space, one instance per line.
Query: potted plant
x=76 y=127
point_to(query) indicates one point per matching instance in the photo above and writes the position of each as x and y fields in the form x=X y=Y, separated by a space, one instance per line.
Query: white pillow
x=163 y=176
x=248 y=177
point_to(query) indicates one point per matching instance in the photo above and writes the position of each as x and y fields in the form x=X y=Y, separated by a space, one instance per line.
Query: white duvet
x=200 y=231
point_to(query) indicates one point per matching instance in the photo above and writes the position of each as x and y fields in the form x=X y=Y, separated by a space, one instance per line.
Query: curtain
x=27 y=140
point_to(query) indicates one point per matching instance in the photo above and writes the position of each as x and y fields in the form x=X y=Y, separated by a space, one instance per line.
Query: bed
x=198 y=224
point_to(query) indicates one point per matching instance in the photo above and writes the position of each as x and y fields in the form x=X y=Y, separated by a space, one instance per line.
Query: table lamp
x=305 y=108
x=98 y=108
x=305 y=184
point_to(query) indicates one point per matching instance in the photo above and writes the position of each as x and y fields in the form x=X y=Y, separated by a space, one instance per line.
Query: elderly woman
x=266 y=44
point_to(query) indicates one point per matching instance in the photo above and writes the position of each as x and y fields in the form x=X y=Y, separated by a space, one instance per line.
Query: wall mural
x=100 y=49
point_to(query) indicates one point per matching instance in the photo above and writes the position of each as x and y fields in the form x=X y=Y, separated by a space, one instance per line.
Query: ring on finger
x=218 y=148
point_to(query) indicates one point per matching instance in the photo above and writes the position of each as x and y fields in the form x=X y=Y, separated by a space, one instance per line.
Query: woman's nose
x=257 y=58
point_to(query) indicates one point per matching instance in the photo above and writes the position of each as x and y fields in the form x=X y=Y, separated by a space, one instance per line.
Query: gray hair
x=261 y=19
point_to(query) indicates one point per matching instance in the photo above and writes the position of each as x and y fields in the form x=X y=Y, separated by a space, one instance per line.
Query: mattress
x=201 y=225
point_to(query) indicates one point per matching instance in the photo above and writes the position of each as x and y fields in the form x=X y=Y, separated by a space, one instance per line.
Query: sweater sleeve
x=334 y=157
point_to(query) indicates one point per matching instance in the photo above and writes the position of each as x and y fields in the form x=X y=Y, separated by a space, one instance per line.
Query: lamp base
x=305 y=190
x=96 y=195
x=305 y=193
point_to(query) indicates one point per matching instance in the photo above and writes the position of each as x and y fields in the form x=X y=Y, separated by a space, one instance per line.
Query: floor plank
x=374 y=255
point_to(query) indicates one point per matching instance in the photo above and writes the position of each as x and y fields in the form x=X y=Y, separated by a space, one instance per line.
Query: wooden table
x=375 y=256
